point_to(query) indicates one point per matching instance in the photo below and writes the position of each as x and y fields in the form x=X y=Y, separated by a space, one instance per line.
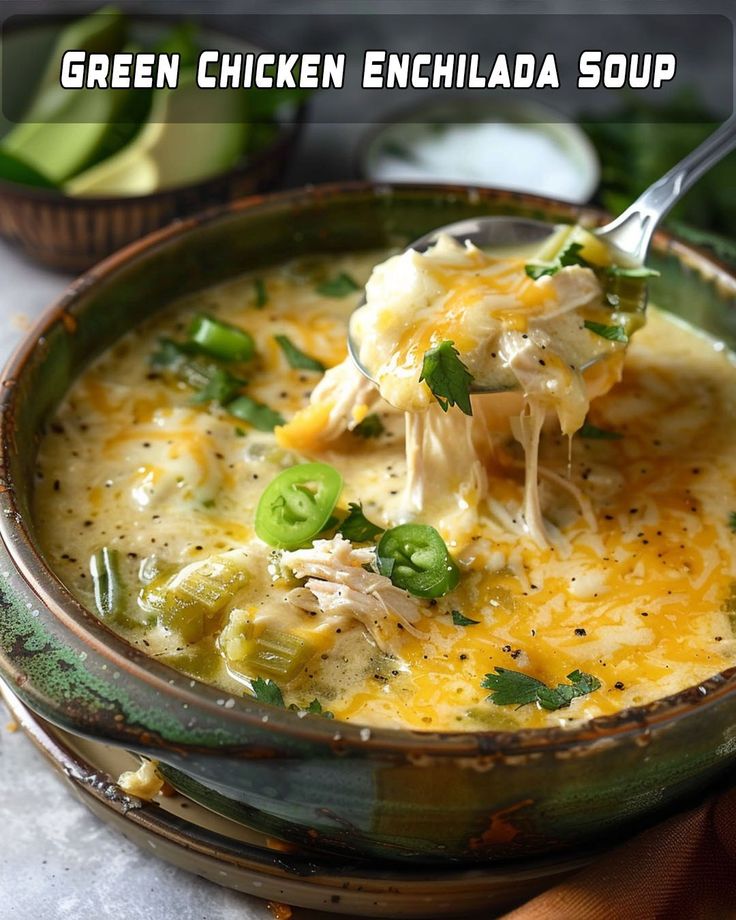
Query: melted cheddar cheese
x=635 y=587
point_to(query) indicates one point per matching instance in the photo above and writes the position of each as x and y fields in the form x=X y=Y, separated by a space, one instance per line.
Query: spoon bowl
x=628 y=235
x=484 y=233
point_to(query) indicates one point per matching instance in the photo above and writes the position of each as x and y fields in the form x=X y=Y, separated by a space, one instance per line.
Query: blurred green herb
x=612 y=333
x=261 y=294
x=296 y=357
x=339 y=286
x=370 y=427
x=593 y=433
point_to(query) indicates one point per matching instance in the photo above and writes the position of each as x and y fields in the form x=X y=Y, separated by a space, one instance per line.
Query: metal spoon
x=628 y=235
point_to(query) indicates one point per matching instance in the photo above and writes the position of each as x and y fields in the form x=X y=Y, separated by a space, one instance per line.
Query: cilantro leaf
x=296 y=357
x=357 y=528
x=261 y=294
x=570 y=255
x=516 y=688
x=315 y=709
x=538 y=271
x=593 y=433
x=512 y=687
x=460 y=619
x=732 y=521
x=370 y=427
x=612 y=333
x=266 y=691
x=447 y=377
x=339 y=286
x=260 y=416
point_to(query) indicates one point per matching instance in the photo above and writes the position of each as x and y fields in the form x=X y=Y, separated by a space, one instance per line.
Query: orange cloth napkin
x=684 y=869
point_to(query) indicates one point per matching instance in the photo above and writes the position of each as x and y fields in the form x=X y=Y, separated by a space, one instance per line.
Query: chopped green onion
x=297 y=358
x=261 y=294
x=170 y=353
x=103 y=566
x=221 y=340
x=257 y=414
x=221 y=386
x=339 y=286
x=213 y=382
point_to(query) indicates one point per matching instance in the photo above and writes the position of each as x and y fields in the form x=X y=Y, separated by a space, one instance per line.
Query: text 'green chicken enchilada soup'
x=229 y=493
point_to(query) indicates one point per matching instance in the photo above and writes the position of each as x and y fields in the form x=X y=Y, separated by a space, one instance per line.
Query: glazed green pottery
x=330 y=785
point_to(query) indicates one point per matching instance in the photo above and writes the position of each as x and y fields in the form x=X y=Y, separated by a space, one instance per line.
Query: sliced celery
x=273 y=652
x=152 y=568
x=189 y=601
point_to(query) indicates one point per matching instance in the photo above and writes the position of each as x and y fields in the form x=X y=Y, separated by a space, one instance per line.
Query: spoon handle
x=632 y=230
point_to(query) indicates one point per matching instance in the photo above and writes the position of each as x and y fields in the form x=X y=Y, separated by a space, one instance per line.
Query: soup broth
x=636 y=590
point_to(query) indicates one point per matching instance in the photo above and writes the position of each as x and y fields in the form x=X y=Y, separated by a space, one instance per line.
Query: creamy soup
x=153 y=471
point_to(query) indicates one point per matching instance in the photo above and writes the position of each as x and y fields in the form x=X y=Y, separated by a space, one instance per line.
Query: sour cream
x=552 y=160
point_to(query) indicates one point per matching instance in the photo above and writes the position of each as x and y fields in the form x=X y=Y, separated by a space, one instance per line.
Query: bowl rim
x=287 y=134
x=38 y=578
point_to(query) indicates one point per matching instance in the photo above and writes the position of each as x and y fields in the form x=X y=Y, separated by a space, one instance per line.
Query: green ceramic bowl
x=384 y=793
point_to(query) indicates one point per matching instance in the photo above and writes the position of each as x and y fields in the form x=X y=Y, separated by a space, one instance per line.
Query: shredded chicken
x=338 y=584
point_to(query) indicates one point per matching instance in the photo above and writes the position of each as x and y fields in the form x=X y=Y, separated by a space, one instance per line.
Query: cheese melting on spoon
x=527 y=337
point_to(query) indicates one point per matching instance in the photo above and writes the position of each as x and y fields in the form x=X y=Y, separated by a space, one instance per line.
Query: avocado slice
x=175 y=147
x=14 y=170
x=79 y=135
x=65 y=130
x=101 y=31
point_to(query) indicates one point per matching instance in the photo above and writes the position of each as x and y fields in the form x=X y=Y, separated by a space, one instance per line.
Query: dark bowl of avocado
x=85 y=171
